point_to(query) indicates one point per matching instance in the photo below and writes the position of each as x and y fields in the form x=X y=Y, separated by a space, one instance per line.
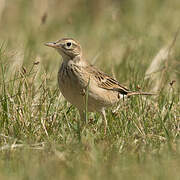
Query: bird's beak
x=52 y=44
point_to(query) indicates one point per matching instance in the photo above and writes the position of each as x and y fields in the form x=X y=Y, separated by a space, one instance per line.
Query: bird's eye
x=69 y=44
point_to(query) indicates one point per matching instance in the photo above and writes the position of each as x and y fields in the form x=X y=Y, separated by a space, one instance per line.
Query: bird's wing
x=106 y=82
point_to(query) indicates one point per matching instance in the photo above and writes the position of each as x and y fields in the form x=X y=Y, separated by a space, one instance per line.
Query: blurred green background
x=128 y=39
x=117 y=34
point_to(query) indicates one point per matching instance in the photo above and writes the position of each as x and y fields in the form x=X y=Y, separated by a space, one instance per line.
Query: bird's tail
x=140 y=93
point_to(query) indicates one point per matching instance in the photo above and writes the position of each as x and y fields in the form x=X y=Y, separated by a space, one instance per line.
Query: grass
x=40 y=133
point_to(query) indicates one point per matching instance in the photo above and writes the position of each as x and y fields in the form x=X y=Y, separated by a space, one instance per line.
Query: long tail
x=140 y=93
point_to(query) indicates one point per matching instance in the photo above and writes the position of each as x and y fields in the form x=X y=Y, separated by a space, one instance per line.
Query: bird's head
x=67 y=47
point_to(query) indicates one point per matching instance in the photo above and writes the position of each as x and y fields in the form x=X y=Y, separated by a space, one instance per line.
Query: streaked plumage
x=75 y=74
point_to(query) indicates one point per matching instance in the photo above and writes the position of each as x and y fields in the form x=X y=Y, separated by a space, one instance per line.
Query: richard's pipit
x=76 y=74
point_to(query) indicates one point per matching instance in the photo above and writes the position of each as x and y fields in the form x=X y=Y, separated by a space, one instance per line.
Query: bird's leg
x=105 y=120
x=117 y=108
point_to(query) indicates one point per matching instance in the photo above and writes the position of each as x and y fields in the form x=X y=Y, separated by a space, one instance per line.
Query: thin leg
x=117 y=108
x=105 y=120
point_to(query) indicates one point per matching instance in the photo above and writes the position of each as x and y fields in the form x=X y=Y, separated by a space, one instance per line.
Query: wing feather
x=106 y=82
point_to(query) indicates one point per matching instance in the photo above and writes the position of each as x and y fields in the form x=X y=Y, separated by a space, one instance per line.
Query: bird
x=84 y=85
